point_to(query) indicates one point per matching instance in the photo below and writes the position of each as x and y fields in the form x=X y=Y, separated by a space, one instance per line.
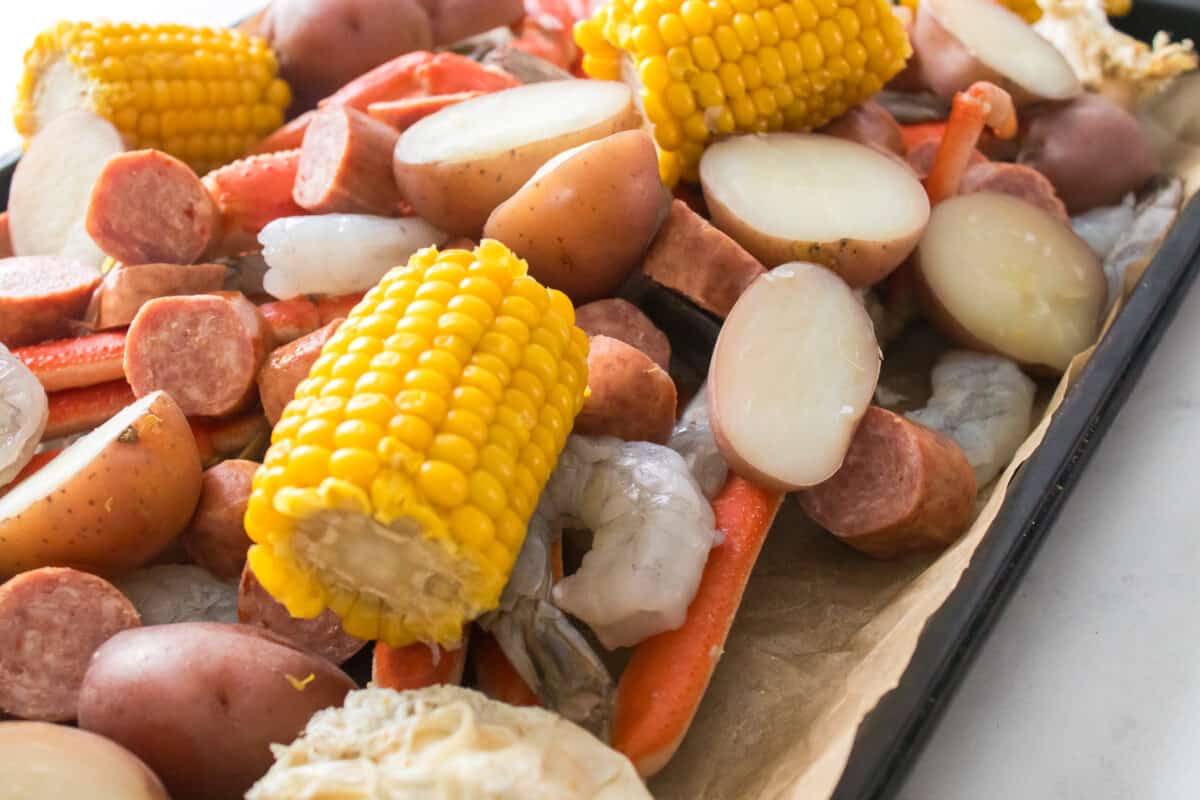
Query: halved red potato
x=454 y=167
x=111 y=501
x=815 y=198
x=960 y=42
x=1000 y=275
x=793 y=372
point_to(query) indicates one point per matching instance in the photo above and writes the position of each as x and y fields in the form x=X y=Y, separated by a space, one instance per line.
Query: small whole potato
x=322 y=44
x=40 y=761
x=621 y=319
x=216 y=537
x=202 y=702
x=632 y=398
x=871 y=124
x=457 y=19
x=585 y=220
x=1091 y=149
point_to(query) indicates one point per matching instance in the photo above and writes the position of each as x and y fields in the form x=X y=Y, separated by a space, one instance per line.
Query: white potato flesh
x=793 y=372
x=1013 y=278
x=1000 y=39
x=40 y=760
x=786 y=196
x=501 y=121
x=52 y=186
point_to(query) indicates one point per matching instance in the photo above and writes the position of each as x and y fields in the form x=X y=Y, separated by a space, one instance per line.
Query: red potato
x=693 y=258
x=216 y=537
x=345 y=165
x=115 y=498
x=860 y=212
x=457 y=19
x=127 y=288
x=1093 y=151
x=322 y=44
x=225 y=343
x=42 y=296
x=202 y=702
x=999 y=275
x=586 y=218
x=1018 y=180
x=961 y=42
x=286 y=366
x=455 y=178
x=902 y=489
x=793 y=372
x=67 y=153
x=51 y=621
x=149 y=207
x=631 y=397
x=622 y=320
x=871 y=124
x=39 y=760
x=323 y=635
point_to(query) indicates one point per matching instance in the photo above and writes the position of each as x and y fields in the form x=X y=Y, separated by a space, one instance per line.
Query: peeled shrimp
x=338 y=253
x=652 y=529
x=983 y=402
x=1102 y=227
x=693 y=439
x=170 y=593
x=23 y=415
x=1152 y=219
x=542 y=644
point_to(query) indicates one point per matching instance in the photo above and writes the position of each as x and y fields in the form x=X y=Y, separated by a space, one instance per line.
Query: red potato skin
x=1092 y=150
x=286 y=366
x=620 y=319
x=871 y=124
x=201 y=702
x=631 y=397
x=703 y=264
x=128 y=287
x=457 y=19
x=322 y=635
x=203 y=350
x=51 y=621
x=216 y=537
x=41 y=297
x=902 y=489
x=149 y=207
x=345 y=165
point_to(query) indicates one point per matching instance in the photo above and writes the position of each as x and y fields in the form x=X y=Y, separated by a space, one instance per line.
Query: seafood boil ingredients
x=476 y=360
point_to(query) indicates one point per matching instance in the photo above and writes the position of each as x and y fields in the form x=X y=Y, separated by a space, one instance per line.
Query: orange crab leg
x=546 y=31
x=78 y=410
x=401 y=114
x=38 y=461
x=666 y=677
x=288 y=320
x=416 y=666
x=6 y=248
x=74 y=363
x=391 y=80
x=223 y=438
x=336 y=306
x=288 y=136
x=449 y=72
x=984 y=104
x=253 y=191
x=495 y=673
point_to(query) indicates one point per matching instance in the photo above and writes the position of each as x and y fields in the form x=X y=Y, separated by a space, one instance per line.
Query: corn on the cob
x=201 y=94
x=711 y=67
x=401 y=478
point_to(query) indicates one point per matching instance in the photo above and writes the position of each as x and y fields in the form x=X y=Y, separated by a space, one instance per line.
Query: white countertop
x=1089 y=686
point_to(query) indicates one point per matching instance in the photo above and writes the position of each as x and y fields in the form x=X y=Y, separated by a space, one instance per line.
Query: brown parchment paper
x=824 y=632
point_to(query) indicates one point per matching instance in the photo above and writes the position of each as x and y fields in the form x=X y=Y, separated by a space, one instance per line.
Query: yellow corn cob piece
x=401 y=478
x=710 y=67
x=203 y=95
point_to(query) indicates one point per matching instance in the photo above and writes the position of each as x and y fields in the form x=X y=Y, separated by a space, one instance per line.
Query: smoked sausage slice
x=128 y=287
x=40 y=296
x=216 y=537
x=287 y=366
x=322 y=635
x=1022 y=182
x=346 y=165
x=903 y=488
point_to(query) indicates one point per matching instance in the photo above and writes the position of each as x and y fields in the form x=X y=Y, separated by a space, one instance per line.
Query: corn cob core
x=203 y=95
x=401 y=478
x=705 y=68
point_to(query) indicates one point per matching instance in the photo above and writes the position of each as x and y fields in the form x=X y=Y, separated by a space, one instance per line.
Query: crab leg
x=666 y=677
x=75 y=363
x=78 y=410
x=228 y=438
x=288 y=320
x=982 y=105
x=416 y=666
x=336 y=306
x=401 y=114
x=288 y=136
x=251 y=192
x=495 y=674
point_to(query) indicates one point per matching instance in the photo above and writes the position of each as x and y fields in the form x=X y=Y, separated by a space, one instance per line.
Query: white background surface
x=1090 y=685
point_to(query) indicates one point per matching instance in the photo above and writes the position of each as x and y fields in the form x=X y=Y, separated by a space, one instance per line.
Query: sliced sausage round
x=40 y=297
x=51 y=621
x=288 y=365
x=322 y=635
x=621 y=319
x=345 y=164
x=1022 y=182
x=216 y=537
x=128 y=287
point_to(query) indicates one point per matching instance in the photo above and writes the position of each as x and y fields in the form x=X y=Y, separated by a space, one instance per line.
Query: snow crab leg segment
x=78 y=410
x=547 y=32
x=416 y=666
x=662 y=686
x=288 y=320
x=983 y=104
x=252 y=192
x=73 y=363
x=495 y=674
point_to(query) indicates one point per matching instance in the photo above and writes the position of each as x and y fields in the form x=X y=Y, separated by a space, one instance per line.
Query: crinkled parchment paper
x=823 y=632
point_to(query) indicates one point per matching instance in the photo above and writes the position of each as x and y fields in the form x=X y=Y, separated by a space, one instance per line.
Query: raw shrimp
x=693 y=439
x=171 y=593
x=543 y=645
x=1102 y=227
x=23 y=414
x=338 y=253
x=983 y=402
x=652 y=529
x=1152 y=218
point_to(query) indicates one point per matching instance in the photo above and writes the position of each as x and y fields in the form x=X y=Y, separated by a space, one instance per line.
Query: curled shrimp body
x=693 y=439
